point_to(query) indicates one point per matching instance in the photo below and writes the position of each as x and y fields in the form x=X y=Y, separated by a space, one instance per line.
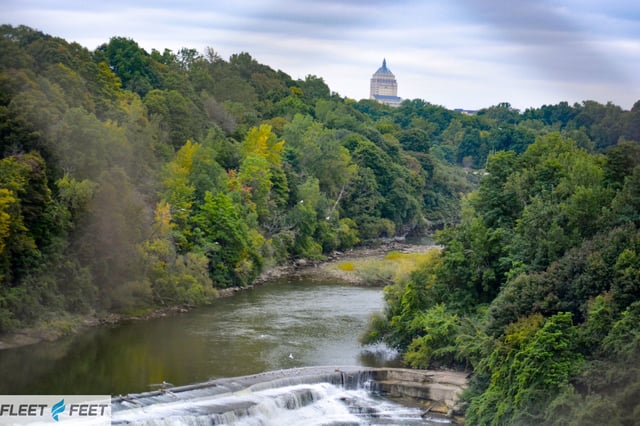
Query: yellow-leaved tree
x=261 y=175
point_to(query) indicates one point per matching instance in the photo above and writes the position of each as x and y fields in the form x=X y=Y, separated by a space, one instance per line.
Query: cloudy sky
x=459 y=54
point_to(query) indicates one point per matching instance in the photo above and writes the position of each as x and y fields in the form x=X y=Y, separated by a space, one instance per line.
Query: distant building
x=384 y=87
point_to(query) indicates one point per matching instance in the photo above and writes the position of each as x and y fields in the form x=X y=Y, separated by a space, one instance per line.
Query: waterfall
x=301 y=397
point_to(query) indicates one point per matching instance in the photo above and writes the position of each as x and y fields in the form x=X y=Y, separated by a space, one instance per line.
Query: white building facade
x=384 y=87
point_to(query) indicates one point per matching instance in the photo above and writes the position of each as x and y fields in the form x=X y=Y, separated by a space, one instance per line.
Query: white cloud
x=470 y=54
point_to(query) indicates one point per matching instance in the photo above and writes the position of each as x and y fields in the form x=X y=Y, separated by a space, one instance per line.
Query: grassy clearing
x=394 y=267
x=346 y=266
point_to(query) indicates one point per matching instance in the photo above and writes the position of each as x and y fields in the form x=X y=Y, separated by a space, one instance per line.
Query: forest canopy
x=537 y=290
x=131 y=180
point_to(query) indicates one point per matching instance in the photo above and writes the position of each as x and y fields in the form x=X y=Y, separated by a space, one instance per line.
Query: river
x=283 y=324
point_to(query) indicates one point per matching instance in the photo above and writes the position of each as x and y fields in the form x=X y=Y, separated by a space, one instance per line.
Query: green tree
x=314 y=88
x=226 y=241
x=435 y=345
x=132 y=64
x=179 y=116
x=625 y=207
x=529 y=366
x=303 y=218
x=626 y=282
x=632 y=124
x=496 y=202
x=30 y=214
x=86 y=147
x=620 y=161
x=319 y=152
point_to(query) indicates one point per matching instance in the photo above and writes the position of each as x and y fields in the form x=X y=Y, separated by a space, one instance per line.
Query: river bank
x=60 y=326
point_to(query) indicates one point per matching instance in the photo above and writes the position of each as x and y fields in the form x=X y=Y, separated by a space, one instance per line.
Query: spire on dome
x=383 y=69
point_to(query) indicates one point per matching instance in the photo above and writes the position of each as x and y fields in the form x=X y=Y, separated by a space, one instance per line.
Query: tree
x=261 y=174
x=29 y=215
x=626 y=204
x=131 y=63
x=626 y=282
x=319 y=152
x=475 y=264
x=225 y=239
x=7 y=205
x=303 y=218
x=178 y=115
x=529 y=366
x=108 y=243
x=620 y=161
x=435 y=344
x=415 y=140
x=86 y=147
x=496 y=203
x=314 y=88
x=179 y=192
x=363 y=203
x=632 y=124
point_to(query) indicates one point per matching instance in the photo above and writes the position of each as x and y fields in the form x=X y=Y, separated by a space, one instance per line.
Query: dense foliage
x=537 y=290
x=131 y=180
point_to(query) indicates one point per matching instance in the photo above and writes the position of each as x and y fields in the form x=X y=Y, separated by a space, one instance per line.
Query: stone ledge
x=436 y=391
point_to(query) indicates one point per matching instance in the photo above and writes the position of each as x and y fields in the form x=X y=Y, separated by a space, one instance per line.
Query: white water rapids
x=310 y=400
x=316 y=404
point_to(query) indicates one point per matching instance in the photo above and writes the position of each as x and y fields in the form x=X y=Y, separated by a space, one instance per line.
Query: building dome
x=383 y=70
x=384 y=87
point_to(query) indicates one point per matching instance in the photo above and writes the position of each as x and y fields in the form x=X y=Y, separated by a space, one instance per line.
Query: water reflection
x=286 y=324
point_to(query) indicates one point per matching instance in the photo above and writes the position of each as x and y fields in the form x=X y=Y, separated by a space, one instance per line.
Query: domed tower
x=384 y=87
